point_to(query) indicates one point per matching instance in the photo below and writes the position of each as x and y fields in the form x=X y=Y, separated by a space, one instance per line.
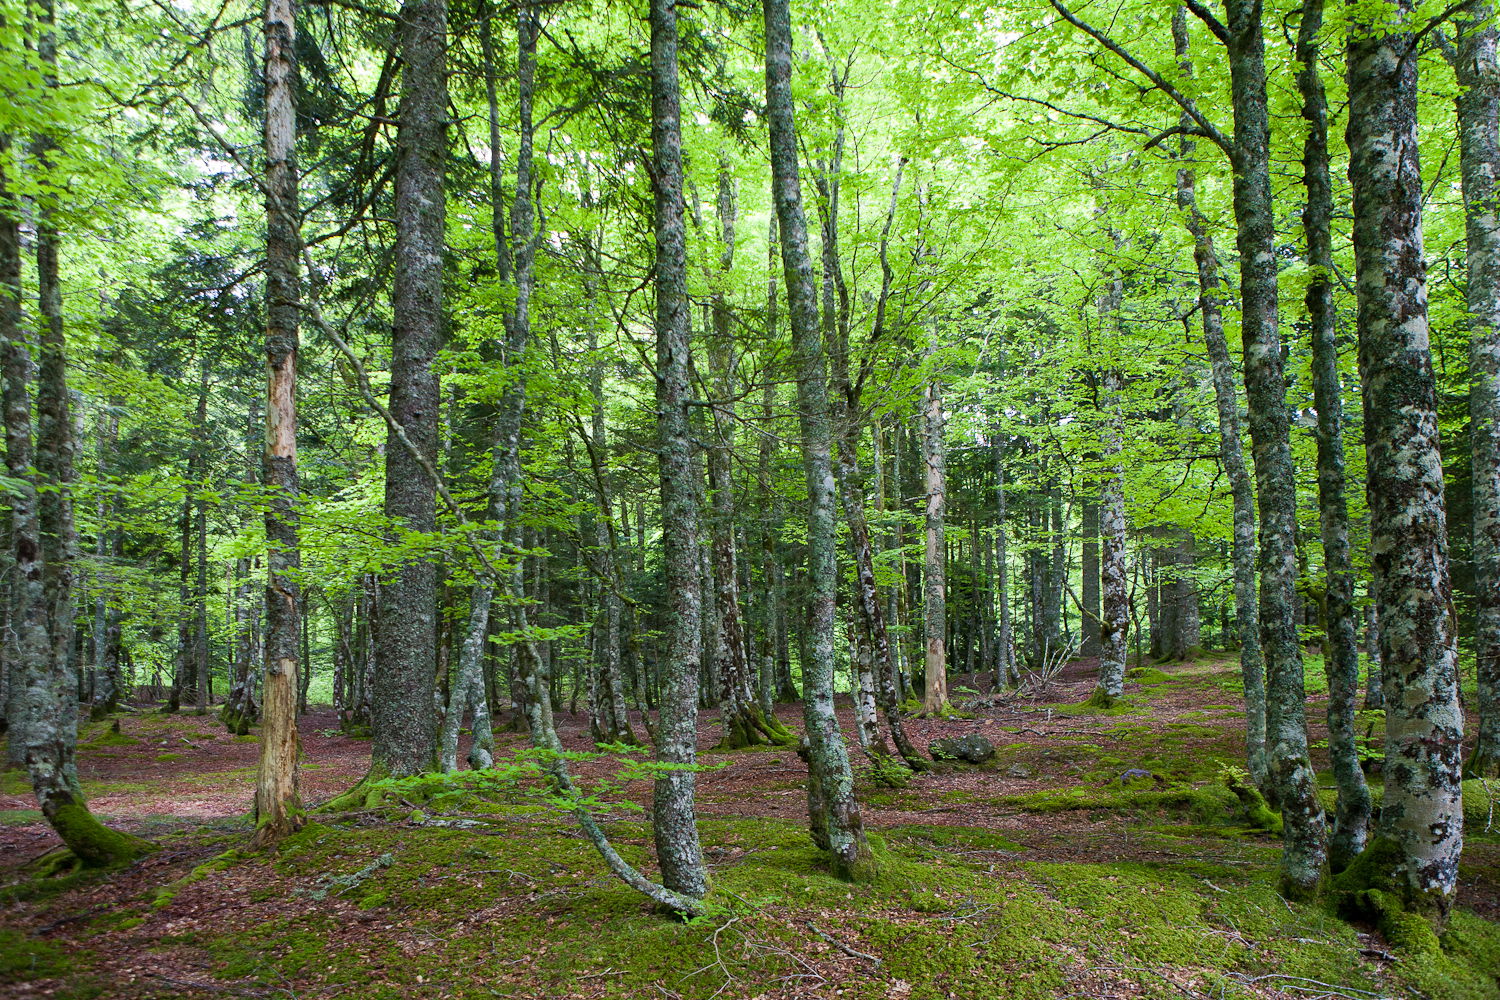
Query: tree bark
x=1475 y=65
x=1420 y=834
x=674 y=816
x=1089 y=642
x=1231 y=451
x=1304 y=853
x=934 y=586
x=833 y=812
x=1351 y=819
x=405 y=723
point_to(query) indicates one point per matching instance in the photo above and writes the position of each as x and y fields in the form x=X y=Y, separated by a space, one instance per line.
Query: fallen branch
x=841 y=946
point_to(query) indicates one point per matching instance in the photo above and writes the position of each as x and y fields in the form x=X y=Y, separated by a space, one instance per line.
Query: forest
x=696 y=500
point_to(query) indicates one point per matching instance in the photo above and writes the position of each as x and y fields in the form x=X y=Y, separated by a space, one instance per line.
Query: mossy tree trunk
x=1231 y=450
x=833 y=812
x=43 y=535
x=1351 y=818
x=1478 y=72
x=674 y=816
x=1420 y=833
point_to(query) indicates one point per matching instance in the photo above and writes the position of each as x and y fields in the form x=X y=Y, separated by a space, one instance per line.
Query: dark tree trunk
x=1089 y=644
x=1351 y=818
x=405 y=723
x=1475 y=65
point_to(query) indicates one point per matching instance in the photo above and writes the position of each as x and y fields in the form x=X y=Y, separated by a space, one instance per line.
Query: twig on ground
x=841 y=946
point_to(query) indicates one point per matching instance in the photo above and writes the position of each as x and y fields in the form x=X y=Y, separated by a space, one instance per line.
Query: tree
x=277 y=802
x=833 y=812
x=1414 y=853
x=674 y=818
x=405 y=727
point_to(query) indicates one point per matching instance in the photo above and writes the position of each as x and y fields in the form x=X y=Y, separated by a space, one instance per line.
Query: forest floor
x=1048 y=872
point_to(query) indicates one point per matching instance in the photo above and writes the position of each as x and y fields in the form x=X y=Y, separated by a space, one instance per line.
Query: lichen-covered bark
x=405 y=722
x=1351 y=818
x=277 y=800
x=1421 y=813
x=674 y=818
x=833 y=811
x=1005 y=658
x=1291 y=773
x=1475 y=65
x=43 y=535
x=1232 y=459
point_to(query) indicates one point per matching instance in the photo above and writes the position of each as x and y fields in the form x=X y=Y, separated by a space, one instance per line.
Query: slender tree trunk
x=1089 y=644
x=1351 y=818
x=1420 y=834
x=1113 y=571
x=1231 y=456
x=1005 y=666
x=833 y=812
x=1304 y=853
x=934 y=586
x=1475 y=65
x=405 y=723
x=674 y=816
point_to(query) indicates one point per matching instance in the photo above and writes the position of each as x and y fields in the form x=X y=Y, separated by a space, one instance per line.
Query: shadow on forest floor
x=1098 y=856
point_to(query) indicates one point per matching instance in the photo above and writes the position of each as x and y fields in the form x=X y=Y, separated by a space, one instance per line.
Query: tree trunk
x=1351 y=819
x=1005 y=665
x=1304 y=853
x=1416 y=850
x=405 y=723
x=934 y=587
x=1113 y=571
x=1231 y=455
x=833 y=812
x=674 y=816
x=277 y=799
x=1475 y=65
x=1089 y=641
x=43 y=535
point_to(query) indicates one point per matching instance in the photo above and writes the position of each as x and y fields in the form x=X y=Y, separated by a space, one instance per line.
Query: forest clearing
x=539 y=498
x=1099 y=855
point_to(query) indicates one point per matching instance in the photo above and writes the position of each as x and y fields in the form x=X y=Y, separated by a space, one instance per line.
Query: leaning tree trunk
x=1475 y=65
x=1231 y=453
x=44 y=539
x=674 y=816
x=405 y=723
x=277 y=799
x=1414 y=855
x=1351 y=819
x=1304 y=853
x=834 y=815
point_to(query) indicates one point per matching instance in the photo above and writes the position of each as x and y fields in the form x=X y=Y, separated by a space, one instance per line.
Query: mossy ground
x=1099 y=856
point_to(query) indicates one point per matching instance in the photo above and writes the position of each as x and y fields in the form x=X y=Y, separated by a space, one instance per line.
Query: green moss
x=1148 y=675
x=24 y=958
x=95 y=844
x=110 y=739
x=170 y=758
